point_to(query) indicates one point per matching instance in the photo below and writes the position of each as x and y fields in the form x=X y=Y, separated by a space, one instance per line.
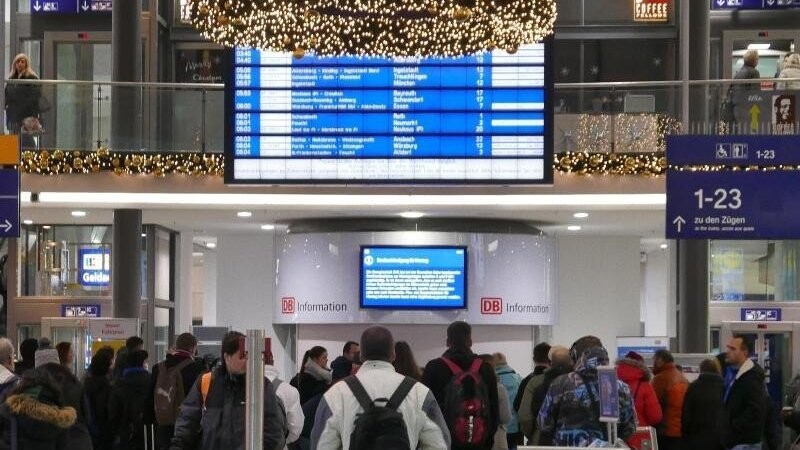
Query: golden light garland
x=59 y=162
x=392 y=28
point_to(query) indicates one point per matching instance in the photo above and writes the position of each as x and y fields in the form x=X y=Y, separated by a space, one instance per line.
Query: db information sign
x=95 y=267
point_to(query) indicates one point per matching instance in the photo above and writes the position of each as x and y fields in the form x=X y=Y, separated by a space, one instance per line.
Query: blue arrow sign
x=733 y=205
x=9 y=203
x=754 y=4
x=69 y=6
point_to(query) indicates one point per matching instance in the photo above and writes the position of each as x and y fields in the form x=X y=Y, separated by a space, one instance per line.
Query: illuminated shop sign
x=95 y=267
x=651 y=10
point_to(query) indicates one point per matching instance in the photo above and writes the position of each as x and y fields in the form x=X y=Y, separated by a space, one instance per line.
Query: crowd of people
x=375 y=396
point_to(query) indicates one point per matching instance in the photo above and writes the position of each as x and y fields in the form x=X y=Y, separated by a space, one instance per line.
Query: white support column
x=183 y=306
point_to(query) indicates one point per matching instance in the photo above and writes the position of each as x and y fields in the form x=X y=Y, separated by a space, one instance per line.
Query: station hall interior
x=148 y=192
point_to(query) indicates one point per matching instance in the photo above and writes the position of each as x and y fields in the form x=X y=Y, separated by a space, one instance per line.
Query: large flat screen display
x=479 y=119
x=414 y=277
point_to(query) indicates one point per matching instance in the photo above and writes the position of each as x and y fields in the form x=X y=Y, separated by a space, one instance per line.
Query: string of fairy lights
x=390 y=28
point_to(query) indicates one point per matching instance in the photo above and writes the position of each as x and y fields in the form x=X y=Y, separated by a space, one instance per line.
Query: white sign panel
x=511 y=279
x=113 y=329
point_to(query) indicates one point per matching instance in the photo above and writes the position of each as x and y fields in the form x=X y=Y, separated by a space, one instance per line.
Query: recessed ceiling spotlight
x=574 y=228
x=244 y=214
x=78 y=213
x=267 y=227
x=580 y=215
x=411 y=214
x=144 y=234
x=211 y=244
x=46 y=227
x=664 y=246
x=27 y=222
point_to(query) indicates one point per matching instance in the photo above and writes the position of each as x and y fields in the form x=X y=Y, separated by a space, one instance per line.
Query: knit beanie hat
x=47 y=355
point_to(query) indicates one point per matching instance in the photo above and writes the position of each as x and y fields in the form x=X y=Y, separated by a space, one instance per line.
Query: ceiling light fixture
x=580 y=215
x=267 y=227
x=574 y=228
x=392 y=28
x=664 y=246
x=411 y=215
x=78 y=213
x=244 y=214
x=211 y=244
x=759 y=46
x=27 y=222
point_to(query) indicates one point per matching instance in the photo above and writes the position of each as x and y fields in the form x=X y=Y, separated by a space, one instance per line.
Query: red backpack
x=466 y=405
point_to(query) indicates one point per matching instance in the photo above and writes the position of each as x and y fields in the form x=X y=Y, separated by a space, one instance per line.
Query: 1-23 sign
x=721 y=198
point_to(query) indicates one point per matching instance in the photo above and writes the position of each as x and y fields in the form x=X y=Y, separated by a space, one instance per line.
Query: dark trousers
x=164 y=436
x=669 y=443
x=513 y=440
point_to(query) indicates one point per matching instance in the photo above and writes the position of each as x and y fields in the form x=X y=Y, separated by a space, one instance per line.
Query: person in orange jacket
x=670 y=386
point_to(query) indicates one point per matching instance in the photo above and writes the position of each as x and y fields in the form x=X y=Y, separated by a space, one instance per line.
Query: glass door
x=81 y=114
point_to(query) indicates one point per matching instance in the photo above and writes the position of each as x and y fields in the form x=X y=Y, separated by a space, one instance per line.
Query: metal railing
x=622 y=117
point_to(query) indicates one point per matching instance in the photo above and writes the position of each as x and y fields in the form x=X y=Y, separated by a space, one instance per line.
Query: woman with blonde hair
x=22 y=99
x=791 y=69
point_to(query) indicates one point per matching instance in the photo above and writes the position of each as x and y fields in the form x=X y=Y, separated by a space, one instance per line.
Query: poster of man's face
x=783 y=113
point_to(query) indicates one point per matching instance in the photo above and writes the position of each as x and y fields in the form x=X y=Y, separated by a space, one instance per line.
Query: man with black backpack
x=379 y=409
x=172 y=380
x=466 y=389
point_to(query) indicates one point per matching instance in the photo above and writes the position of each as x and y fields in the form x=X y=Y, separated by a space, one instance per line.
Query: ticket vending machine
x=775 y=351
x=88 y=335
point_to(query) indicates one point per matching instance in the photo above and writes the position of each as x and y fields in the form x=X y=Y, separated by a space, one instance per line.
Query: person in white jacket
x=336 y=414
x=290 y=398
x=791 y=69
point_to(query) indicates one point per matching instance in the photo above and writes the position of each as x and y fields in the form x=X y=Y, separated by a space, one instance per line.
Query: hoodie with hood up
x=571 y=410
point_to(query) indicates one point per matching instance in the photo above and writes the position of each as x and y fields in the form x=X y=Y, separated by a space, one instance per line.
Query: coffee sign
x=651 y=10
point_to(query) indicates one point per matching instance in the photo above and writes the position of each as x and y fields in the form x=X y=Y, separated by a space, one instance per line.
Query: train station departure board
x=478 y=119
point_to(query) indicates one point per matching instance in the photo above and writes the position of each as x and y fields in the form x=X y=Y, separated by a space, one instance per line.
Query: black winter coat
x=22 y=100
x=97 y=392
x=702 y=411
x=72 y=395
x=308 y=386
x=745 y=411
x=437 y=375
x=42 y=421
x=218 y=424
x=127 y=408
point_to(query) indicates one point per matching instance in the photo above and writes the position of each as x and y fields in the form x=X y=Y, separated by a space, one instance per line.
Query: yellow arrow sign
x=755 y=112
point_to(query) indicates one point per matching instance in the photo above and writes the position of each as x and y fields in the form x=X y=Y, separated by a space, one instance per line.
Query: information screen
x=483 y=118
x=414 y=277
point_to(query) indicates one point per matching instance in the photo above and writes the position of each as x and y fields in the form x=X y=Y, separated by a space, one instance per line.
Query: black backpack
x=379 y=427
x=466 y=406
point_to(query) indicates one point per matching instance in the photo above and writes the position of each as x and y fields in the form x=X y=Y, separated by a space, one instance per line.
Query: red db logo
x=491 y=305
x=287 y=305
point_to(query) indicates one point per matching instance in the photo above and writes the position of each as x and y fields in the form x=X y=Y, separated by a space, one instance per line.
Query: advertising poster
x=784 y=114
x=609 y=394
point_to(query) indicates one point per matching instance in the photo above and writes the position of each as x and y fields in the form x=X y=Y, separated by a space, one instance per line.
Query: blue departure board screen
x=484 y=118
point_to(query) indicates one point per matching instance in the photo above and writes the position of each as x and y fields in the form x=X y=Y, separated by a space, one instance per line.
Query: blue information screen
x=474 y=119
x=414 y=277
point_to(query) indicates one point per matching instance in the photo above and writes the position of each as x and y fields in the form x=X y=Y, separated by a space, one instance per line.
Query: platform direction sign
x=733 y=204
x=754 y=4
x=9 y=186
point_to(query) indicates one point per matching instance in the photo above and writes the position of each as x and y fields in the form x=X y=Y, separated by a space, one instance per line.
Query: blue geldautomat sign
x=761 y=314
x=754 y=4
x=95 y=267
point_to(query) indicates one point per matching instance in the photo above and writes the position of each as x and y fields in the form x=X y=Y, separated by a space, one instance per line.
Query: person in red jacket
x=632 y=370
